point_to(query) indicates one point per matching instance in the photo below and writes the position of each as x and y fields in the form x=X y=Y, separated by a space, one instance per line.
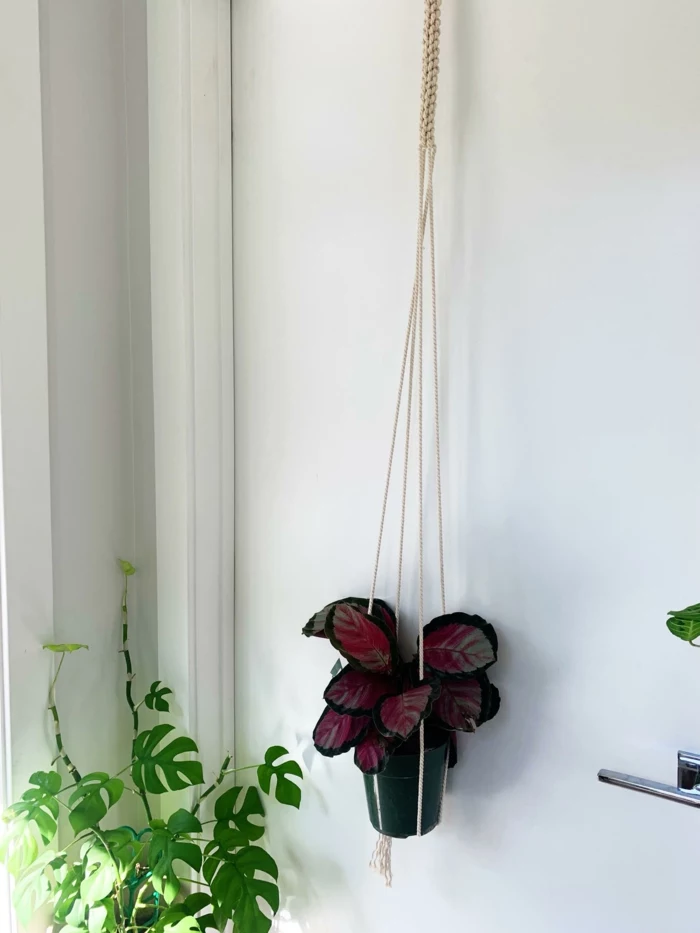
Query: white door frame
x=189 y=87
x=26 y=572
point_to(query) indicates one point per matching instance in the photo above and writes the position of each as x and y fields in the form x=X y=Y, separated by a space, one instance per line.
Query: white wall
x=569 y=186
x=94 y=89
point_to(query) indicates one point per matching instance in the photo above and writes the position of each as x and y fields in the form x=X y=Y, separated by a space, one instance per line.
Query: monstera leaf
x=155 y=698
x=167 y=846
x=33 y=888
x=685 y=623
x=235 y=889
x=286 y=791
x=234 y=825
x=95 y=794
x=35 y=812
x=149 y=761
x=180 y=917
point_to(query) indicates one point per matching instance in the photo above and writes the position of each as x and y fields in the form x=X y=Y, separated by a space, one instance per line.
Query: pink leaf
x=382 y=611
x=363 y=640
x=399 y=716
x=355 y=692
x=462 y=703
x=336 y=733
x=372 y=754
x=459 y=645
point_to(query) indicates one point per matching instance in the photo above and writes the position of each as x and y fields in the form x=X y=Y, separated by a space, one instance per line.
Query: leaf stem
x=129 y=681
x=65 y=758
x=217 y=783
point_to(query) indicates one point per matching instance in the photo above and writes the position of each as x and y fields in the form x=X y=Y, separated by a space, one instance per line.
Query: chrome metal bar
x=687 y=792
x=690 y=798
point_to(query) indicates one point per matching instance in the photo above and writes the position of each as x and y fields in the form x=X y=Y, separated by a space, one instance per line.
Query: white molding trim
x=189 y=86
x=26 y=572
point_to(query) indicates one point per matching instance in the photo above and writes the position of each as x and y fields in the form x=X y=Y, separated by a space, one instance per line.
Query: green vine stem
x=217 y=783
x=127 y=570
x=65 y=758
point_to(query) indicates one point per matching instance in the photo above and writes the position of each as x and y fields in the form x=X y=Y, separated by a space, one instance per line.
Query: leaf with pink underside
x=459 y=645
x=363 y=640
x=372 y=754
x=463 y=704
x=335 y=733
x=316 y=626
x=357 y=693
x=399 y=716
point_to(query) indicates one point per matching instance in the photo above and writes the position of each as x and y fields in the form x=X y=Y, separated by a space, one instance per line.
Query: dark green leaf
x=226 y=813
x=172 y=920
x=165 y=848
x=155 y=698
x=177 y=773
x=235 y=889
x=182 y=821
x=286 y=791
x=95 y=794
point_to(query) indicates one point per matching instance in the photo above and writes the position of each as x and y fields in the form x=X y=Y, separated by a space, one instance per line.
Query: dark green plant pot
x=392 y=796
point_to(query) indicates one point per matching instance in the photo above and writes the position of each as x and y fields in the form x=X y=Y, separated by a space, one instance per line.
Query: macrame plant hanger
x=412 y=367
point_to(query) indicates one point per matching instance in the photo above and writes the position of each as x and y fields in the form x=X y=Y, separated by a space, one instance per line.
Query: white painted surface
x=94 y=83
x=25 y=510
x=568 y=193
x=189 y=80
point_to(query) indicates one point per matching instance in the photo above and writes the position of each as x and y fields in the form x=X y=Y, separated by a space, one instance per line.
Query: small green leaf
x=127 y=568
x=155 y=698
x=65 y=648
x=286 y=791
x=685 y=623
x=178 y=774
x=88 y=803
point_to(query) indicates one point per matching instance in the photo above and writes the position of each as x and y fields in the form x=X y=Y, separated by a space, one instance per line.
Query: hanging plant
x=377 y=702
x=401 y=716
x=172 y=876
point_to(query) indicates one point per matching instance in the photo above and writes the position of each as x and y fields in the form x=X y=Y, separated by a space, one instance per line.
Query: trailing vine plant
x=172 y=876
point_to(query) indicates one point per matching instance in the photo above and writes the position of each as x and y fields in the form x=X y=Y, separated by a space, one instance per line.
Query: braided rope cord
x=412 y=360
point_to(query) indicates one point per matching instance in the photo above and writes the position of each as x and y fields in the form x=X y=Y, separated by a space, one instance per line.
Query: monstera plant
x=194 y=870
x=685 y=624
x=376 y=702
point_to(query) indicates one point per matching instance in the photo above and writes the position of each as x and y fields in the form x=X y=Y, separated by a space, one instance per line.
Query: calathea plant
x=172 y=876
x=376 y=702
